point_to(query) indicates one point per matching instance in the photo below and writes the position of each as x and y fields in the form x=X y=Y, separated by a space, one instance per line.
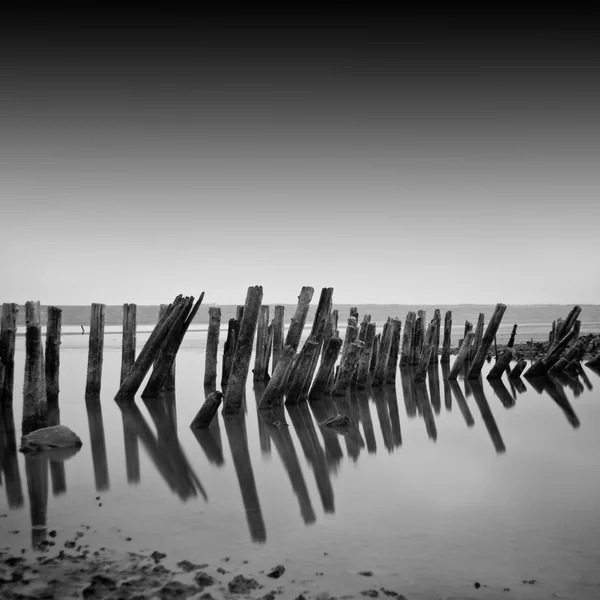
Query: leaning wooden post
x=169 y=383
x=463 y=353
x=319 y=386
x=228 y=349
x=392 y=365
x=437 y=320
x=517 y=369
x=212 y=345
x=513 y=333
x=344 y=377
x=501 y=364
x=421 y=371
x=35 y=404
x=209 y=409
x=576 y=329
x=478 y=336
x=232 y=403
x=52 y=366
x=296 y=327
x=260 y=356
x=364 y=361
x=350 y=336
x=486 y=341
x=95 y=351
x=354 y=312
x=278 y=335
x=447 y=343
x=8 y=333
x=129 y=339
x=302 y=370
x=565 y=326
x=380 y=372
x=407 y=338
x=274 y=392
x=544 y=364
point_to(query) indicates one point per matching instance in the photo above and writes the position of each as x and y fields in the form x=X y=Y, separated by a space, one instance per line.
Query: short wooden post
x=463 y=353
x=518 y=369
x=380 y=373
x=52 y=363
x=416 y=343
x=559 y=367
x=354 y=313
x=552 y=332
x=274 y=392
x=364 y=361
x=344 y=377
x=435 y=347
x=407 y=338
x=129 y=339
x=513 y=333
x=232 y=403
x=209 y=409
x=319 y=386
x=35 y=404
x=375 y=352
x=421 y=371
x=228 y=349
x=212 y=345
x=447 y=342
x=8 y=333
x=501 y=364
x=296 y=328
x=478 y=336
x=392 y=365
x=302 y=371
x=261 y=359
x=486 y=341
x=95 y=351
x=278 y=335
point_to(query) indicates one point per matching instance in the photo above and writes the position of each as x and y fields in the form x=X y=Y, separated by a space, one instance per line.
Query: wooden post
x=261 y=360
x=129 y=339
x=501 y=364
x=392 y=365
x=303 y=364
x=375 y=352
x=462 y=356
x=95 y=351
x=149 y=352
x=576 y=329
x=416 y=343
x=278 y=335
x=319 y=386
x=212 y=345
x=559 y=367
x=552 y=333
x=486 y=341
x=296 y=328
x=513 y=333
x=407 y=338
x=364 y=361
x=8 y=333
x=421 y=371
x=209 y=409
x=228 y=350
x=594 y=362
x=345 y=374
x=52 y=366
x=273 y=394
x=350 y=336
x=422 y=314
x=354 y=313
x=437 y=321
x=232 y=403
x=478 y=336
x=171 y=375
x=518 y=369
x=545 y=363
x=35 y=404
x=447 y=343
x=565 y=326
x=383 y=357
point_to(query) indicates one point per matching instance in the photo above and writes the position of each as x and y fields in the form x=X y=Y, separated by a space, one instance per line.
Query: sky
x=420 y=158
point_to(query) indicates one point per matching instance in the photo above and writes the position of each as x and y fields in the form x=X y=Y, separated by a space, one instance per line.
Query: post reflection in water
x=586 y=380
x=384 y=417
x=235 y=427
x=433 y=375
x=36 y=470
x=98 y=442
x=313 y=451
x=406 y=379
x=447 y=388
x=420 y=388
x=209 y=438
x=367 y=421
x=503 y=394
x=57 y=467
x=323 y=409
x=486 y=415
x=263 y=433
x=9 y=464
x=555 y=390
x=465 y=411
x=353 y=438
x=277 y=427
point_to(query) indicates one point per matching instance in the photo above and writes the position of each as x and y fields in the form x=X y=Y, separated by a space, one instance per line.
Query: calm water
x=438 y=486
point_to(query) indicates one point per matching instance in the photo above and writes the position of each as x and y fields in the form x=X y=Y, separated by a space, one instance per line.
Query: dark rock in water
x=188 y=566
x=477 y=585
x=175 y=590
x=338 y=423
x=366 y=573
x=99 y=587
x=203 y=579
x=370 y=593
x=58 y=437
x=277 y=572
x=157 y=556
x=242 y=585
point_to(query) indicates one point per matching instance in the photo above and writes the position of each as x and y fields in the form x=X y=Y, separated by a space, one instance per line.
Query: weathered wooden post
x=278 y=334
x=546 y=362
x=8 y=333
x=275 y=389
x=209 y=409
x=344 y=377
x=129 y=339
x=518 y=369
x=364 y=361
x=228 y=349
x=513 y=333
x=261 y=359
x=298 y=380
x=447 y=342
x=478 y=336
x=354 y=313
x=171 y=375
x=576 y=329
x=319 y=386
x=407 y=338
x=95 y=351
x=486 y=341
x=417 y=342
x=392 y=365
x=501 y=364
x=422 y=314
x=212 y=345
x=232 y=403
x=552 y=332
x=381 y=369
x=421 y=371
x=296 y=327
x=463 y=353
x=565 y=326
x=52 y=366
x=437 y=321
x=35 y=404
x=350 y=336
x=375 y=352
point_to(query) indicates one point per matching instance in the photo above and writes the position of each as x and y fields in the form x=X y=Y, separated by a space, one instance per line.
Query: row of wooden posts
x=365 y=357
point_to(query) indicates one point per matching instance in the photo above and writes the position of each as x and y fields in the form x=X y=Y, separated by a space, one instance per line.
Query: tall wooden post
x=212 y=345
x=392 y=365
x=407 y=338
x=437 y=321
x=8 y=333
x=261 y=359
x=447 y=343
x=129 y=339
x=228 y=350
x=463 y=353
x=486 y=341
x=95 y=351
x=296 y=328
x=278 y=335
x=478 y=336
x=52 y=365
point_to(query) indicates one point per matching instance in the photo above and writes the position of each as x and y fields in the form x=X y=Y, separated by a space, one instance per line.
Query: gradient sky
x=409 y=160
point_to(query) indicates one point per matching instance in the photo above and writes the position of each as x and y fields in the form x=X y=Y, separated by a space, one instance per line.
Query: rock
x=530 y=581
x=174 y=590
x=277 y=572
x=188 y=566
x=157 y=556
x=370 y=593
x=203 y=579
x=242 y=585
x=99 y=587
x=366 y=573
x=477 y=585
x=58 y=437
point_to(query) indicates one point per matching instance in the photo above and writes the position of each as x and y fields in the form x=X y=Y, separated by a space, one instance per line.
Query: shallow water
x=439 y=485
